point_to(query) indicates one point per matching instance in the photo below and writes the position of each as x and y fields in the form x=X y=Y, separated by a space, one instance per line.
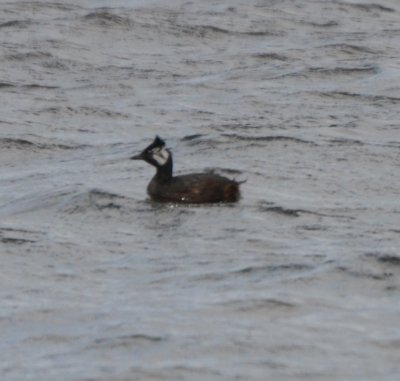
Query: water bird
x=194 y=188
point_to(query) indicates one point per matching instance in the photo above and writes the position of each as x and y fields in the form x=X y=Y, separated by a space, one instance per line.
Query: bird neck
x=165 y=172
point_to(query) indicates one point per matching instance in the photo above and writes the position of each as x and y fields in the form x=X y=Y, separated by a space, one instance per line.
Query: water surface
x=298 y=281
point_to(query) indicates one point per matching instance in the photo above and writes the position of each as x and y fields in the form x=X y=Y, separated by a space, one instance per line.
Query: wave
x=269 y=138
x=17 y=236
x=255 y=304
x=24 y=144
x=31 y=55
x=127 y=341
x=94 y=199
x=349 y=49
x=104 y=17
x=270 y=56
x=371 y=7
x=27 y=86
x=15 y=23
x=84 y=111
x=365 y=274
x=212 y=31
x=344 y=70
x=337 y=72
x=274 y=268
x=392 y=260
x=364 y=97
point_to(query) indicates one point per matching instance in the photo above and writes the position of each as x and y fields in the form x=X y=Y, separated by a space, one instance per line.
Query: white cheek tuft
x=161 y=156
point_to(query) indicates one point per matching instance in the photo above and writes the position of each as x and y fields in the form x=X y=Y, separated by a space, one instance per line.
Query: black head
x=156 y=154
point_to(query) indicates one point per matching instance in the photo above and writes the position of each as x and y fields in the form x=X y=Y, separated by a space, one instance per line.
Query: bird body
x=194 y=188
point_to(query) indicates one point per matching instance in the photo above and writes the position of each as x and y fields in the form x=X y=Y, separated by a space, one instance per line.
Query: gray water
x=298 y=281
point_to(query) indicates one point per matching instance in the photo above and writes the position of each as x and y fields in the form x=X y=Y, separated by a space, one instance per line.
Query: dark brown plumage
x=195 y=188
